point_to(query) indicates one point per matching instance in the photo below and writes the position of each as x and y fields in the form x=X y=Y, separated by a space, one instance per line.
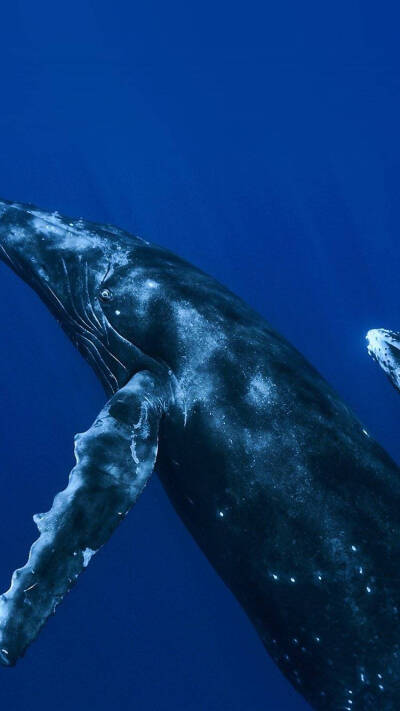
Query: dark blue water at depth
x=261 y=142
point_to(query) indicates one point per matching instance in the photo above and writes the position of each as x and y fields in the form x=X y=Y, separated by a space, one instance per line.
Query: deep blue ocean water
x=261 y=141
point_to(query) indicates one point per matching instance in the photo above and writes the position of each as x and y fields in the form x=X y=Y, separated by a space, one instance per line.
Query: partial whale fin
x=114 y=460
x=384 y=347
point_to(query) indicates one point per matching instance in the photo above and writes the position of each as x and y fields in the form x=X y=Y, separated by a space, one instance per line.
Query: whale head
x=69 y=262
x=384 y=347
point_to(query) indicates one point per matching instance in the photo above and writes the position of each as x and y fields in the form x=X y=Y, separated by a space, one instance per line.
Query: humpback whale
x=294 y=504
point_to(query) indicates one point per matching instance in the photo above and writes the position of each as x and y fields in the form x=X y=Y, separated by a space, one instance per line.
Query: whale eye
x=106 y=295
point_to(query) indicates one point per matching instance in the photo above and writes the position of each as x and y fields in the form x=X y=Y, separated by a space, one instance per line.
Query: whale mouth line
x=77 y=316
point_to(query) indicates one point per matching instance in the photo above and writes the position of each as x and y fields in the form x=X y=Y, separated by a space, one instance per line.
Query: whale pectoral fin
x=384 y=347
x=114 y=460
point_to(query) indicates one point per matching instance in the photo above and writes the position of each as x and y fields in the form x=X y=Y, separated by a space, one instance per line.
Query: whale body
x=294 y=504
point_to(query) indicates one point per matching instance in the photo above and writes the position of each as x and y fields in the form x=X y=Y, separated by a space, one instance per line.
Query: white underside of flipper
x=384 y=347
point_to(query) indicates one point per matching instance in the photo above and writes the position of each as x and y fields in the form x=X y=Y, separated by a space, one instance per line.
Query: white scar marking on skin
x=77 y=239
x=31 y=587
x=143 y=426
x=88 y=554
x=260 y=392
x=197 y=380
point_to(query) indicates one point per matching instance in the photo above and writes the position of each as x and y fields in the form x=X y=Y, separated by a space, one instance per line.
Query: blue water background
x=261 y=142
